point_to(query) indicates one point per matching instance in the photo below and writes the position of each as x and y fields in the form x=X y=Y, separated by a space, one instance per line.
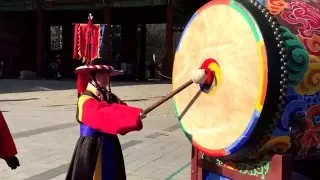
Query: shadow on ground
x=143 y=99
x=17 y=100
x=18 y=86
x=125 y=100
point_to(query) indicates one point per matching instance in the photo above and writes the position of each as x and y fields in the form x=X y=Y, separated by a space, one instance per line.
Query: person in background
x=1 y=68
x=58 y=66
x=8 y=149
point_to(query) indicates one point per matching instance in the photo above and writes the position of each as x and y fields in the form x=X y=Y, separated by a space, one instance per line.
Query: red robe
x=7 y=146
x=109 y=118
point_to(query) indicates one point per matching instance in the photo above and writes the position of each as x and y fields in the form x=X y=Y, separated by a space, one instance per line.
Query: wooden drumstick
x=198 y=77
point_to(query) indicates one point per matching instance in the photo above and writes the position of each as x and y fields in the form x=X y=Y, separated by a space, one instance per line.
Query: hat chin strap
x=102 y=90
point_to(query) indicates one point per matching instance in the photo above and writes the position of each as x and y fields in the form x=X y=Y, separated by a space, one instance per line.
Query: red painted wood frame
x=280 y=168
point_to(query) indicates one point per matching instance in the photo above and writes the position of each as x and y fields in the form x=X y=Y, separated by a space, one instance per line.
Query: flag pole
x=90 y=18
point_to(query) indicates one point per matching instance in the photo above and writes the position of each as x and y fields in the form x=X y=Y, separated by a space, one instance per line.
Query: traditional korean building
x=33 y=32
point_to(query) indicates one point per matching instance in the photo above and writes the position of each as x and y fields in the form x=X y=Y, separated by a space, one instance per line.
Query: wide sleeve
x=108 y=118
x=7 y=146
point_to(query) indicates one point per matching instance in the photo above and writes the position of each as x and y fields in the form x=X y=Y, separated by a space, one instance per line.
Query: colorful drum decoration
x=254 y=60
x=300 y=24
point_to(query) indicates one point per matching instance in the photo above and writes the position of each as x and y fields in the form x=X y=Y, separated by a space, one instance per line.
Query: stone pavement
x=41 y=116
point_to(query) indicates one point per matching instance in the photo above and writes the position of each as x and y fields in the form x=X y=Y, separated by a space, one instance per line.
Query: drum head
x=239 y=41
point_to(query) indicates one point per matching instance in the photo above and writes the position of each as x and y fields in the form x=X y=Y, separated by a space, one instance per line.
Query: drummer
x=102 y=116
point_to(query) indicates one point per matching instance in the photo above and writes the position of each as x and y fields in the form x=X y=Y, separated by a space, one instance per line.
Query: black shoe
x=13 y=162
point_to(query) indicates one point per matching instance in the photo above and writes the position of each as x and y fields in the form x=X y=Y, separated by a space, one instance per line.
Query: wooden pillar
x=107 y=38
x=168 y=62
x=142 y=61
x=39 y=39
x=67 y=63
x=129 y=49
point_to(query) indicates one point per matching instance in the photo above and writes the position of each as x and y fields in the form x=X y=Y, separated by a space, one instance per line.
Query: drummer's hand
x=142 y=115
x=139 y=125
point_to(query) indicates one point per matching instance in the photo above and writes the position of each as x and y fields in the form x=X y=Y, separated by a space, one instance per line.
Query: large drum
x=267 y=77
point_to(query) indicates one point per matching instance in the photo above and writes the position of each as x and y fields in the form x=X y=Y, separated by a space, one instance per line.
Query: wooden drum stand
x=279 y=167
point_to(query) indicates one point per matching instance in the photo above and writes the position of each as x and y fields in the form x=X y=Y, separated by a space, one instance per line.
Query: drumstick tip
x=199 y=76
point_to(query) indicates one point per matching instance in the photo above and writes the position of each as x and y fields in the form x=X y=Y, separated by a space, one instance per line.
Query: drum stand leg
x=278 y=168
x=196 y=168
